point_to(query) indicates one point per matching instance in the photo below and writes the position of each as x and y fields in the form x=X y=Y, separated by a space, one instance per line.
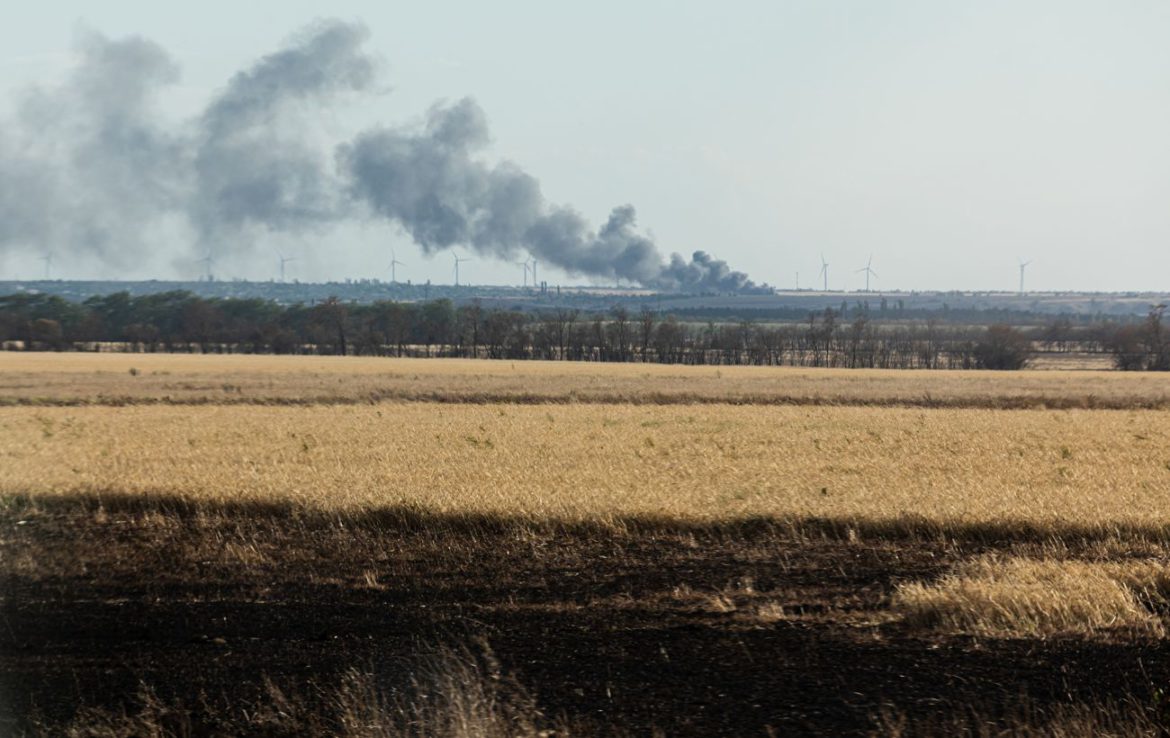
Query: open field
x=947 y=468
x=384 y=548
x=121 y=379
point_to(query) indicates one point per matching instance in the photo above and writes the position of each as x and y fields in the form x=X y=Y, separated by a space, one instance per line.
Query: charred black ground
x=622 y=628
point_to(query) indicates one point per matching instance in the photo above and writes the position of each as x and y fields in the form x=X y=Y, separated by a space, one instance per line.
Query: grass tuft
x=1037 y=598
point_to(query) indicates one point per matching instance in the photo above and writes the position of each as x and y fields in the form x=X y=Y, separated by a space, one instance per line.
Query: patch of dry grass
x=47 y=379
x=1037 y=598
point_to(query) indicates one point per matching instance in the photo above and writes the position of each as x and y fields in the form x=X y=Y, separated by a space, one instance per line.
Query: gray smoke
x=703 y=271
x=91 y=169
x=84 y=166
x=431 y=182
x=257 y=161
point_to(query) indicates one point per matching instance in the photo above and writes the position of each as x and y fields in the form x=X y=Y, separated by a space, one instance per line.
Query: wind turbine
x=459 y=259
x=525 y=265
x=824 y=272
x=868 y=272
x=394 y=262
x=283 y=260
x=208 y=261
x=1023 y=266
x=48 y=259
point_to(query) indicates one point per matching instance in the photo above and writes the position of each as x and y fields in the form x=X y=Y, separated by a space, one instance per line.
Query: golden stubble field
x=111 y=379
x=701 y=462
x=596 y=441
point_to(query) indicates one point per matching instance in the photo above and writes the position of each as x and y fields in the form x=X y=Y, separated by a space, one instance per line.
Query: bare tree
x=646 y=331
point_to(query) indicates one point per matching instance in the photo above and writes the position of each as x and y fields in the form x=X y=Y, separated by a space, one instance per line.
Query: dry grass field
x=121 y=379
x=947 y=469
x=374 y=547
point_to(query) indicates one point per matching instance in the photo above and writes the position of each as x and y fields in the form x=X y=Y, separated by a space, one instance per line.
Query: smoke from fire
x=91 y=168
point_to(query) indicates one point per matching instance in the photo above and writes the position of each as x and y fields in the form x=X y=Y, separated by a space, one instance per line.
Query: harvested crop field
x=689 y=560
x=125 y=379
x=596 y=462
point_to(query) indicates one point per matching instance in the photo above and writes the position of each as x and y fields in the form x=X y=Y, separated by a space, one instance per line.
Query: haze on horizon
x=947 y=139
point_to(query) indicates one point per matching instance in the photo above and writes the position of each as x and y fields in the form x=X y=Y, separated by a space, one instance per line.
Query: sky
x=949 y=140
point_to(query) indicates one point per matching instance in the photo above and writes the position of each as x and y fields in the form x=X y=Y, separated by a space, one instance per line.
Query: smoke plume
x=256 y=160
x=91 y=169
x=81 y=165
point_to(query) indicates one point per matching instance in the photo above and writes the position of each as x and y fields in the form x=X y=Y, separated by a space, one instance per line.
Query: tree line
x=183 y=322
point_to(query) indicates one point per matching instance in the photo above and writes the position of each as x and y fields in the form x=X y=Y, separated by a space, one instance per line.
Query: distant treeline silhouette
x=183 y=322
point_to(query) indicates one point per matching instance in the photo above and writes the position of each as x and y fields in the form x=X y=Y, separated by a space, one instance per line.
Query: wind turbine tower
x=824 y=273
x=284 y=260
x=459 y=259
x=868 y=272
x=1023 y=266
x=394 y=262
x=525 y=265
x=48 y=259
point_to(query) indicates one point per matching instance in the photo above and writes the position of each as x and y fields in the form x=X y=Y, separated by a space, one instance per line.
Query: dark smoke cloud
x=431 y=182
x=703 y=271
x=91 y=169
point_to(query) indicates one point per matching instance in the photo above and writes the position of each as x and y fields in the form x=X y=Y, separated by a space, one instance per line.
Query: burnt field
x=219 y=619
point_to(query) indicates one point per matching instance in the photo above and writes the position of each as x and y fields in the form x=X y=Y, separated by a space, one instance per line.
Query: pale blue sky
x=947 y=138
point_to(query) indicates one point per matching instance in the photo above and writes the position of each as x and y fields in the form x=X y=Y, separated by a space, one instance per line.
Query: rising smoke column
x=85 y=169
x=703 y=271
x=259 y=160
x=91 y=169
x=432 y=183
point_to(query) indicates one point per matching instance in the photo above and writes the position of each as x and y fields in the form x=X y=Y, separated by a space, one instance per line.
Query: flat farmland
x=379 y=547
x=124 y=379
x=601 y=462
